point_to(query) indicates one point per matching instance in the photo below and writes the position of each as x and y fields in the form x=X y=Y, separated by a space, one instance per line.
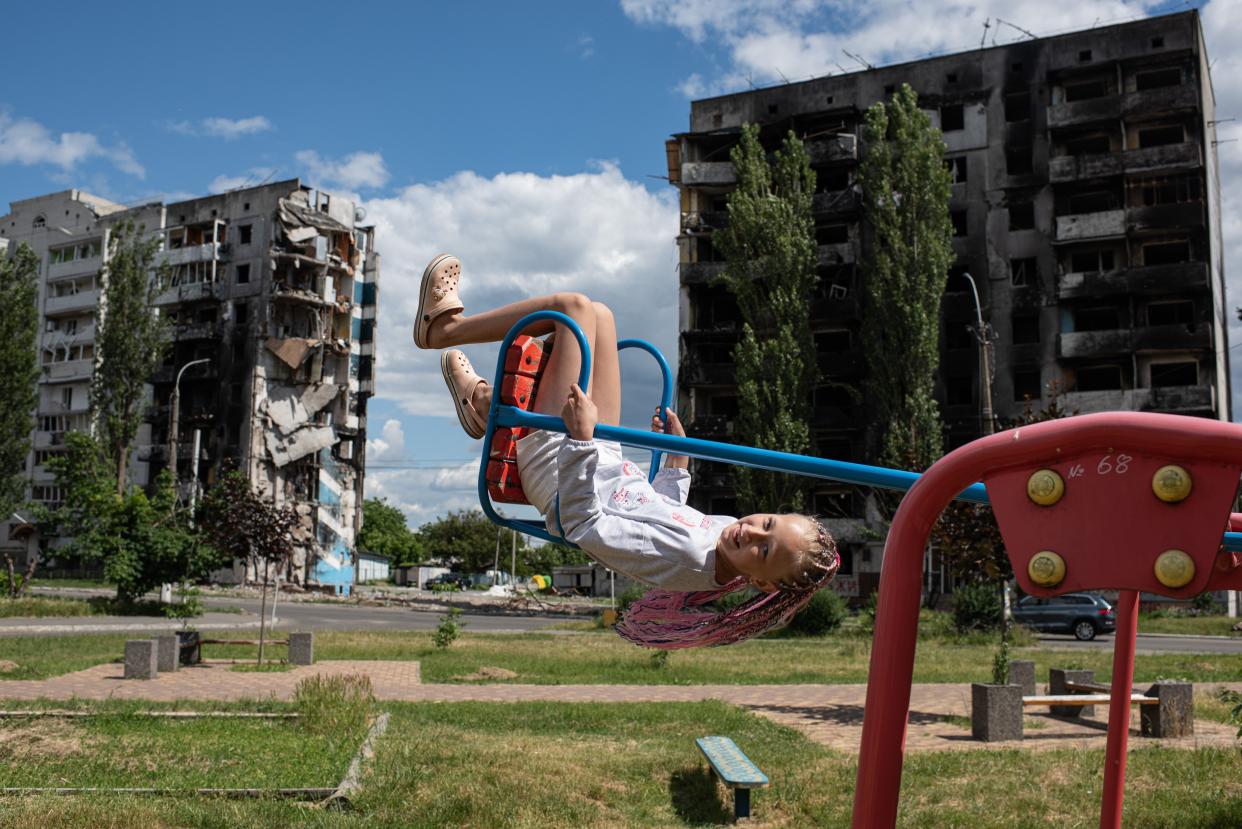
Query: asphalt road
x=1150 y=644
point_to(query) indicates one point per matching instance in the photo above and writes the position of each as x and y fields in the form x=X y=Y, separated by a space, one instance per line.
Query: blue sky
x=527 y=138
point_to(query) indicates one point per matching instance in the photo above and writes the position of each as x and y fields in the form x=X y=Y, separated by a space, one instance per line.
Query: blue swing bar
x=843 y=471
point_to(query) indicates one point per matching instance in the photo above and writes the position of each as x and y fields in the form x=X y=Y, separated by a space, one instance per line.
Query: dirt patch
x=487 y=673
x=7 y=665
x=42 y=739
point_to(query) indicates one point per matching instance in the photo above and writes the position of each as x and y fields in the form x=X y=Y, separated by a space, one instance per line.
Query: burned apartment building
x=272 y=309
x=1085 y=205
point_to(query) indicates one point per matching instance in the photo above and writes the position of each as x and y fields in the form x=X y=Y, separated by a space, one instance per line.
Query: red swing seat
x=524 y=364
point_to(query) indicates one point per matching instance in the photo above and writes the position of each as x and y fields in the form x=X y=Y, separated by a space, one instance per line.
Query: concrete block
x=301 y=648
x=168 y=648
x=141 y=659
x=1022 y=672
x=1174 y=716
x=1056 y=687
x=995 y=712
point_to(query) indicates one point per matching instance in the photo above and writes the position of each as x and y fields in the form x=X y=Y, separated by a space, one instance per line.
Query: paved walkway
x=828 y=714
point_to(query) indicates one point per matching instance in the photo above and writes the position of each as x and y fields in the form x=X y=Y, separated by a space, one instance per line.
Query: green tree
x=467 y=538
x=132 y=339
x=771 y=257
x=384 y=531
x=19 y=371
x=142 y=541
x=908 y=250
x=19 y=374
x=543 y=558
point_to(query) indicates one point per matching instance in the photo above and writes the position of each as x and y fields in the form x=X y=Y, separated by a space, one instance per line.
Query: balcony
x=1164 y=101
x=694 y=273
x=694 y=373
x=189 y=292
x=1095 y=110
x=1126 y=341
x=198 y=331
x=710 y=426
x=1149 y=280
x=836 y=202
x=81 y=301
x=838 y=254
x=1169 y=156
x=1172 y=337
x=1161 y=217
x=1171 y=399
x=68 y=371
x=75 y=267
x=1101 y=165
x=209 y=252
x=708 y=173
x=843 y=147
x=1107 y=343
x=1080 y=226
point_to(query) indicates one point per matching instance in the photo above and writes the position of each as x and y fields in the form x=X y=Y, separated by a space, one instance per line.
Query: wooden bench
x=1085 y=699
x=734 y=769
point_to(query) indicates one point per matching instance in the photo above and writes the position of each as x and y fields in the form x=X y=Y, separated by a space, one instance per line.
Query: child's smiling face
x=764 y=547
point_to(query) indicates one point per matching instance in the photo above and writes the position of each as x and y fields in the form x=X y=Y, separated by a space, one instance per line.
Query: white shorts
x=536 y=457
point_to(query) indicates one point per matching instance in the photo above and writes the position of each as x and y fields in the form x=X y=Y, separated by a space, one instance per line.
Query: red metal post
x=1119 y=710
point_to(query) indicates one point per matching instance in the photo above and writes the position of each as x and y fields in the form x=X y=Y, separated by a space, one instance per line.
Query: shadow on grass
x=696 y=798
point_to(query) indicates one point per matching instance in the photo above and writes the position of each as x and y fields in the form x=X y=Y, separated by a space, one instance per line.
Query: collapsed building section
x=272 y=304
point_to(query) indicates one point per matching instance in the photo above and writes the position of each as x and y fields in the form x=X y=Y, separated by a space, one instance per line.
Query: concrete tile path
x=828 y=714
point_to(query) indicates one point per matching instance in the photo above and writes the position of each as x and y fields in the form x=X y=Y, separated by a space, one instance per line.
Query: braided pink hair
x=669 y=620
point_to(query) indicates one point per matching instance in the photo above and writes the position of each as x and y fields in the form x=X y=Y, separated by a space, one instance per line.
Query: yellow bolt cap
x=1171 y=483
x=1045 y=487
x=1046 y=568
x=1174 y=568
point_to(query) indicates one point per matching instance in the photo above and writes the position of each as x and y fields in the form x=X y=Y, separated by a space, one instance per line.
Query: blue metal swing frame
x=658 y=443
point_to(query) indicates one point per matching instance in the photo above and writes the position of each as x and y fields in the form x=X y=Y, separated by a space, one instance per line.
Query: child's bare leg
x=566 y=360
x=606 y=367
x=492 y=326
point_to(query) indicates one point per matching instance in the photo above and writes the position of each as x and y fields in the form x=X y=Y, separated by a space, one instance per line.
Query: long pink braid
x=668 y=620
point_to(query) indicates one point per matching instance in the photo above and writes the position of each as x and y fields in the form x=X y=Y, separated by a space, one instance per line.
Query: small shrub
x=1204 y=603
x=935 y=624
x=628 y=596
x=444 y=587
x=867 y=611
x=336 y=706
x=1000 y=663
x=823 y=614
x=190 y=606
x=976 y=607
x=449 y=628
x=659 y=660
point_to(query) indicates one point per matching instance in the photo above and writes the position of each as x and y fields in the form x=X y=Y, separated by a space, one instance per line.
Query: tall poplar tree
x=131 y=341
x=907 y=254
x=771 y=257
x=19 y=371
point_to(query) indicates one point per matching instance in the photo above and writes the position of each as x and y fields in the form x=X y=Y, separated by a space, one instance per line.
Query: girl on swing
x=606 y=505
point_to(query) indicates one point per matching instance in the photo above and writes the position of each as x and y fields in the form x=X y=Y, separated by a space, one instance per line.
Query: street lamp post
x=983 y=335
x=175 y=418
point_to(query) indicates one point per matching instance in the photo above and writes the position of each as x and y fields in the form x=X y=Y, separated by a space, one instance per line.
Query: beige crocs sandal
x=462 y=380
x=438 y=295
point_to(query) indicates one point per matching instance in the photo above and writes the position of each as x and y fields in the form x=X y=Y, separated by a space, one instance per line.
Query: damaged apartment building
x=1085 y=205
x=272 y=309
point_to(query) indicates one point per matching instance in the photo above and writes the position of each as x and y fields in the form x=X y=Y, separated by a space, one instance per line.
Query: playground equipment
x=1128 y=501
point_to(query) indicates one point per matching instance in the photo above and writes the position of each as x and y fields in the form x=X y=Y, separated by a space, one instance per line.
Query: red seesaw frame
x=1109 y=528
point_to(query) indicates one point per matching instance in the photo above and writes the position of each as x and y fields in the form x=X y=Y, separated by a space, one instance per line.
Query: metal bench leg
x=741 y=803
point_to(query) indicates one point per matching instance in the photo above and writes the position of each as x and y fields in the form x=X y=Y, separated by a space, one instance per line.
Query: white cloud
x=29 y=143
x=224 y=183
x=769 y=41
x=391 y=443
x=521 y=235
x=585 y=46
x=226 y=128
x=361 y=169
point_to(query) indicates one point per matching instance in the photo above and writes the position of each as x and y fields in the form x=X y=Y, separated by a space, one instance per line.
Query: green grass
x=565 y=766
x=265 y=668
x=1188 y=625
x=603 y=657
x=40 y=607
x=90 y=583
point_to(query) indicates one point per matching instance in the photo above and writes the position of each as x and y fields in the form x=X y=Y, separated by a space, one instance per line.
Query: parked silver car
x=1083 y=614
